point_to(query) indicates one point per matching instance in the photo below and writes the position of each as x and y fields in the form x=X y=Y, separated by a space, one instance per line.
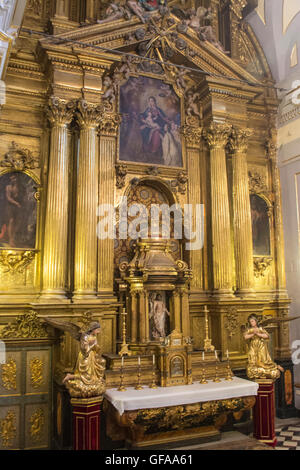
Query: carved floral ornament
x=26 y=326
x=19 y=158
x=16 y=261
x=257 y=183
x=260 y=266
x=8 y=430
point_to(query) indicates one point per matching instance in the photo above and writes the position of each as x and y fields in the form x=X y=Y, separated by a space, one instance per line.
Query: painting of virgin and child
x=150 y=123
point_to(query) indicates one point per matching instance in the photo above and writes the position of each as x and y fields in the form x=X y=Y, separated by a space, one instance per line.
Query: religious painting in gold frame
x=18 y=210
x=151 y=120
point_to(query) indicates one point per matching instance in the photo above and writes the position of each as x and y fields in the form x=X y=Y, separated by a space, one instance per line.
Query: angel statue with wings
x=260 y=364
x=87 y=379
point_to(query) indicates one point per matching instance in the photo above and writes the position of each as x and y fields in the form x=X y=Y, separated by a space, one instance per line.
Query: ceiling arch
x=290 y=9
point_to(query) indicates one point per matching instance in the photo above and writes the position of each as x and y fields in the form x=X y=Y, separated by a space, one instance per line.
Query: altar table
x=166 y=414
x=160 y=397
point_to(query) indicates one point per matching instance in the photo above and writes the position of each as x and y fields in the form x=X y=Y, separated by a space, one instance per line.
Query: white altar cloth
x=161 y=397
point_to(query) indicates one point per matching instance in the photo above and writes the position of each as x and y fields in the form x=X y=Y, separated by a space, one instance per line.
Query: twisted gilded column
x=193 y=137
x=216 y=137
x=60 y=114
x=108 y=129
x=242 y=225
x=85 y=269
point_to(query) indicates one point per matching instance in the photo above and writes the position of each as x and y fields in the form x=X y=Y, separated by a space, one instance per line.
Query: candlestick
x=203 y=379
x=216 y=379
x=121 y=386
x=207 y=341
x=138 y=385
x=153 y=385
x=124 y=348
x=229 y=373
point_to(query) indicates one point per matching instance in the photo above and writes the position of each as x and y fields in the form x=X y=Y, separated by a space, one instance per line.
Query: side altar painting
x=18 y=210
x=151 y=119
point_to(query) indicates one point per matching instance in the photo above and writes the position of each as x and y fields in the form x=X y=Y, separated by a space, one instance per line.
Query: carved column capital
x=109 y=124
x=238 y=140
x=216 y=135
x=192 y=135
x=88 y=115
x=60 y=112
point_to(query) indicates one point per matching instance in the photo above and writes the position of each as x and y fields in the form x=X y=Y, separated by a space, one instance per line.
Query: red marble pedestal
x=264 y=413
x=86 y=423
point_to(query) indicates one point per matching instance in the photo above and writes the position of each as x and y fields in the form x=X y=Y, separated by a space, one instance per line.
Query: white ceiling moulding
x=290 y=9
x=260 y=10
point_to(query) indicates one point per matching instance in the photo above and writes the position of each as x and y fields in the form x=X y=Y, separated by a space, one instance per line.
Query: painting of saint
x=260 y=226
x=150 y=123
x=18 y=210
x=159 y=316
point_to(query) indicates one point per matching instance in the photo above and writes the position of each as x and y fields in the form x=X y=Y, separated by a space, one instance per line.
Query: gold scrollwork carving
x=15 y=261
x=193 y=135
x=19 y=159
x=121 y=172
x=9 y=374
x=8 y=430
x=37 y=423
x=231 y=322
x=27 y=325
x=261 y=265
x=36 y=372
x=257 y=183
x=109 y=124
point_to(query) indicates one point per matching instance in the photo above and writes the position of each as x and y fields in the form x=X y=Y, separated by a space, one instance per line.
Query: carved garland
x=25 y=326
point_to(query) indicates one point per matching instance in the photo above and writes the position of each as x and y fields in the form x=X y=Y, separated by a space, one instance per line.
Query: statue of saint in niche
x=159 y=316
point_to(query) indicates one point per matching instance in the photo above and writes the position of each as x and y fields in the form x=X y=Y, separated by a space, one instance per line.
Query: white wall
x=276 y=24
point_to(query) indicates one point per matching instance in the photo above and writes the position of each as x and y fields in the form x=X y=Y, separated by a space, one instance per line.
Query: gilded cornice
x=206 y=57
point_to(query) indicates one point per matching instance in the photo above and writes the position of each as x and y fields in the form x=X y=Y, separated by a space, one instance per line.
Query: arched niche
x=260 y=226
x=18 y=210
x=147 y=191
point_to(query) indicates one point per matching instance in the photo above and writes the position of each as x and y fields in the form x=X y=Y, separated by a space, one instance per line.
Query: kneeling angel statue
x=87 y=379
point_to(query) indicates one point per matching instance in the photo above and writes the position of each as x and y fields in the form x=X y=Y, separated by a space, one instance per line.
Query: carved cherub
x=114 y=11
x=192 y=108
x=138 y=10
x=87 y=379
x=181 y=79
x=111 y=89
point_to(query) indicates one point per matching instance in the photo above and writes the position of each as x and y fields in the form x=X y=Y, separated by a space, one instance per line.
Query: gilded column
x=60 y=114
x=242 y=225
x=134 y=315
x=193 y=137
x=279 y=240
x=217 y=136
x=85 y=269
x=108 y=130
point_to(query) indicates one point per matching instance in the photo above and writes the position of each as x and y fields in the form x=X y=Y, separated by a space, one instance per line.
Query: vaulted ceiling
x=276 y=24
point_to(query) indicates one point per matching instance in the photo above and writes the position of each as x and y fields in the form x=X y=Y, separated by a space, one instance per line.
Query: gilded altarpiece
x=205 y=134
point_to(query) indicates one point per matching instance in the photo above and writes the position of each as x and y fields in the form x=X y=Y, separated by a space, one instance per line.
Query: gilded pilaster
x=85 y=269
x=108 y=129
x=60 y=114
x=216 y=137
x=242 y=225
x=193 y=137
x=279 y=240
